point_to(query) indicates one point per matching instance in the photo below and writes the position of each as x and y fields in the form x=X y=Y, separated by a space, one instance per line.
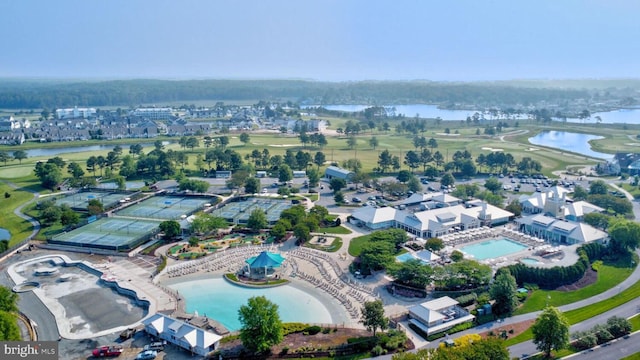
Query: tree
x=302 y=233
x=193 y=142
x=319 y=158
x=598 y=187
x=373 y=316
x=20 y=155
x=551 y=331
x=337 y=184
x=314 y=177
x=135 y=149
x=285 y=173
x=244 y=138
x=412 y=273
x=414 y=184
x=504 y=291
x=338 y=197
x=252 y=185
x=49 y=174
x=95 y=207
x=447 y=179
x=404 y=176
x=9 y=330
x=69 y=217
x=257 y=220
x=75 y=170
x=261 y=325
x=492 y=184
x=8 y=300
x=373 y=142
x=352 y=142
x=279 y=231
x=624 y=234
x=4 y=157
x=515 y=207
x=434 y=244
x=170 y=228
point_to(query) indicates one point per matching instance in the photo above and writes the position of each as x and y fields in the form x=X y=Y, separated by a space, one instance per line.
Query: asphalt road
x=616 y=350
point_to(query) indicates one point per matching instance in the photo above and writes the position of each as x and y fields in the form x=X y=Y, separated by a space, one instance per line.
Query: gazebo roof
x=265 y=259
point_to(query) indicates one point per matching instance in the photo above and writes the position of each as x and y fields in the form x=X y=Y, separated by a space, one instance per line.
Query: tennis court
x=81 y=200
x=109 y=233
x=165 y=207
x=239 y=212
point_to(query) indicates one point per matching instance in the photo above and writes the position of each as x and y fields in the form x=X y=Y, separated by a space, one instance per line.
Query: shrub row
x=558 y=275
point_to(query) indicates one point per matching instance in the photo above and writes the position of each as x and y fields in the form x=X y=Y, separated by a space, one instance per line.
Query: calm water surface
x=220 y=300
x=568 y=141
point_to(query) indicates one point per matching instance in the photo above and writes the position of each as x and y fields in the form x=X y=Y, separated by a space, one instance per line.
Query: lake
x=410 y=111
x=51 y=152
x=568 y=141
x=623 y=116
x=5 y=234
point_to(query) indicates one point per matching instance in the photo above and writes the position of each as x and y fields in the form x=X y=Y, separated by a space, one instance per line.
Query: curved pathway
x=18 y=210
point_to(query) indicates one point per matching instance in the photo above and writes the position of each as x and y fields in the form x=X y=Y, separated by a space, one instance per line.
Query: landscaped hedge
x=550 y=278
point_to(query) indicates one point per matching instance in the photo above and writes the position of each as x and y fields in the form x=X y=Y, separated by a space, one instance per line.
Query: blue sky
x=333 y=40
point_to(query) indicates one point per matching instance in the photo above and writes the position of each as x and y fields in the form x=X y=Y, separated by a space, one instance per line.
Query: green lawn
x=635 y=323
x=587 y=312
x=355 y=246
x=609 y=275
x=635 y=356
x=18 y=227
x=341 y=230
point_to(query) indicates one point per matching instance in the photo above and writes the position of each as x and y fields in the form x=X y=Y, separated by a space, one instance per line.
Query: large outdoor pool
x=220 y=300
x=493 y=248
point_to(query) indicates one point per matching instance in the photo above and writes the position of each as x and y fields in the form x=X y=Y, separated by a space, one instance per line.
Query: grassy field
x=587 y=312
x=340 y=230
x=18 y=227
x=355 y=245
x=609 y=275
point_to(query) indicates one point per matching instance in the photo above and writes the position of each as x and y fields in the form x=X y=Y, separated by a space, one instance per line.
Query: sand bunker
x=492 y=149
x=282 y=145
x=531 y=149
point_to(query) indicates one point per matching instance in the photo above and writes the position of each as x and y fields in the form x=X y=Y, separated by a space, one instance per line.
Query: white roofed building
x=182 y=334
x=438 y=315
x=560 y=231
x=557 y=204
x=434 y=222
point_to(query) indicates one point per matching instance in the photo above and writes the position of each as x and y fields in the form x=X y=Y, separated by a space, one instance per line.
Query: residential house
x=187 y=336
x=438 y=315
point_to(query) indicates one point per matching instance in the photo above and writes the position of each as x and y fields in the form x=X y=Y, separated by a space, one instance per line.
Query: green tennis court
x=81 y=200
x=238 y=212
x=109 y=233
x=165 y=207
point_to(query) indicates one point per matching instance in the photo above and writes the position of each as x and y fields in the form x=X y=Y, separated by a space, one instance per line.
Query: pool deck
x=122 y=271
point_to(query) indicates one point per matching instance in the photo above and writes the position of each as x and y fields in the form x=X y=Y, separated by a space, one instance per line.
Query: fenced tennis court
x=165 y=207
x=80 y=201
x=238 y=212
x=109 y=233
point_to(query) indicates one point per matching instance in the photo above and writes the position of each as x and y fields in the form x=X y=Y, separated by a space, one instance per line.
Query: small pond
x=568 y=141
x=5 y=234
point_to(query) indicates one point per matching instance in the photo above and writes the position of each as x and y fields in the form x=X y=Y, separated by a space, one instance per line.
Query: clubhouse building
x=445 y=215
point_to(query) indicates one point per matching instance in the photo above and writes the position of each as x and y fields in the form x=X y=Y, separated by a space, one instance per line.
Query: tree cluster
x=615 y=327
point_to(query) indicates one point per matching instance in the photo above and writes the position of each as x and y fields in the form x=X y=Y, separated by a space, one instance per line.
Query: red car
x=108 y=351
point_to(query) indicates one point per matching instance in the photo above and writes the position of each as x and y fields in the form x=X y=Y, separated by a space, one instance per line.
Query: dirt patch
x=299 y=341
x=511 y=330
x=590 y=277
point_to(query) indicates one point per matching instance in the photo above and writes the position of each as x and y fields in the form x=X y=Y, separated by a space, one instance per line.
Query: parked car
x=127 y=333
x=157 y=346
x=356 y=200
x=107 y=351
x=147 y=355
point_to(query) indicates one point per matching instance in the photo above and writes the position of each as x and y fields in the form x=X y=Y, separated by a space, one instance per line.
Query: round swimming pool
x=220 y=300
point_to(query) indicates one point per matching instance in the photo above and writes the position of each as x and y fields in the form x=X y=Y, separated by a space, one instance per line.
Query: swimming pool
x=530 y=261
x=493 y=248
x=405 y=257
x=220 y=300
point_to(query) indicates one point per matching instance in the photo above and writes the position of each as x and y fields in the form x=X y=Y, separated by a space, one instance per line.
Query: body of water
x=5 y=234
x=568 y=141
x=221 y=300
x=623 y=116
x=410 y=111
x=493 y=249
x=51 y=152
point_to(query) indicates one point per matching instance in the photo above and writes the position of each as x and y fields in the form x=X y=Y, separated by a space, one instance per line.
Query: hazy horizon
x=330 y=40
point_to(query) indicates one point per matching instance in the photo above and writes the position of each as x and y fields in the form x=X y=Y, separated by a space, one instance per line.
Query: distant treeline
x=16 y=94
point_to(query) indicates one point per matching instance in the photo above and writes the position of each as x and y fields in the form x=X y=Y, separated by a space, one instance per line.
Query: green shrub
x=312 y=330
x=326 y=330
x=293 y=327
x=377 y=350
